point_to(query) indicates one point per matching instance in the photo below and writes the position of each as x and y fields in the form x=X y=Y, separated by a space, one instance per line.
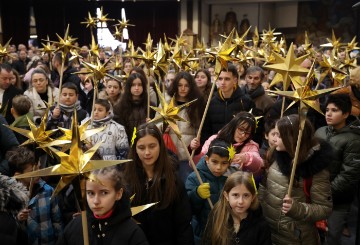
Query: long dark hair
x=228 y=131
x=195 y=109
x=163 y=188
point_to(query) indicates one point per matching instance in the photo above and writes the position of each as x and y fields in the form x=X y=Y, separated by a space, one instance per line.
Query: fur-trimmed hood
x=13 y=195
x=316 y=161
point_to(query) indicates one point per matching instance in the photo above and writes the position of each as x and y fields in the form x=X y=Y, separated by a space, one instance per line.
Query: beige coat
x=298 y=225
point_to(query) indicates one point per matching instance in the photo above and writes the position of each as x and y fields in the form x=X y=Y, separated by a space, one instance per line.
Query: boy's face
x=100 y=112
x=226 y=82
x=29 y=168
x=68 y=96
x=335 y=117
x=272 y=137
x=217 y=164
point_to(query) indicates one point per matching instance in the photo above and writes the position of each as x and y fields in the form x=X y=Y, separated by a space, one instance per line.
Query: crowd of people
x=244 y=156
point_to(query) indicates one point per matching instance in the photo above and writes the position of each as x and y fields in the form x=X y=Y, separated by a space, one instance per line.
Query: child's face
x=100 y=112
x=148 y=150
x=29 y=168
x=101 y=195
x=272 y=137
x=68 y=96
x=335 y=117
x=136 y=88
x=279 y=143
x=242 y=132
x=240 y=199
x=112 y=88
x=217 y=164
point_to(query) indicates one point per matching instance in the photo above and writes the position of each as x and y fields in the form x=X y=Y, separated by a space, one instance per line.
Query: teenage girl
x=237 y=217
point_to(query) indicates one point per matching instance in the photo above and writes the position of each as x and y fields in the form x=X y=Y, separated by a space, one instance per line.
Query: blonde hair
x=220 y=231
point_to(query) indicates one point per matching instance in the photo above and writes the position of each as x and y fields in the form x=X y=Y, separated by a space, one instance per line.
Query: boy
x=344 y=167
x=61 y=115
x=43 y=216
x=211 y=169
x=21 y=105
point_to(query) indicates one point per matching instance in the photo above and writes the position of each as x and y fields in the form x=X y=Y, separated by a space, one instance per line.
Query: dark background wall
x=53 y=16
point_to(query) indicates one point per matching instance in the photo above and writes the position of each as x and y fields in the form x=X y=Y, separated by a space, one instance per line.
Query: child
x=115 y=143
x=211 y=170
x=21 y=105
x=270 y=138
x=237 y=217
x=112 y=92
x=109 y=214
x=61 y=115
x=239 y=132
x=44 y=223
x=151 y=177
x=292 y=219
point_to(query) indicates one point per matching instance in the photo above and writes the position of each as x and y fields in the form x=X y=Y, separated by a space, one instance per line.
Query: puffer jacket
x=38 y=106
x=344 y=167
x=298 y=225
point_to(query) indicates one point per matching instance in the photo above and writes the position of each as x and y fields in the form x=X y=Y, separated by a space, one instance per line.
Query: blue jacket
x=200 y=207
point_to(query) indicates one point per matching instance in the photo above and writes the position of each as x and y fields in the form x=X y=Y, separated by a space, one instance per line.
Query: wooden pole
x=83 y=211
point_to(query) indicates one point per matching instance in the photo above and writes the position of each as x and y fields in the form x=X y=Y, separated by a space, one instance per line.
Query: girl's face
x=240 y=199
x=100 y=112
x=101 y=195
x=272 y=137
x=201 y=79
x=183 y=90
x=68 y=96
x=136 y=89
x=127 y=67
x=279 y=143
x=39 y=82
x=112 y=88
x=217 y=164
x=242 y=132
x=148 y=150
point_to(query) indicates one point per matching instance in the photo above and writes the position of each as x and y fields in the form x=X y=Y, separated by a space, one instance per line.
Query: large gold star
x=94 y=47
x=47 y=48
x=98 y=70
x=4 y=51
x=352 y=45
x=90 y=21
x=255 y=38
x=65 y=44
x=75 y=164
x=103 y=17
x=148 y=56
x=329 y=68
x=168 y=113
x=333 y=43
x=161 y=65
x=288 y=66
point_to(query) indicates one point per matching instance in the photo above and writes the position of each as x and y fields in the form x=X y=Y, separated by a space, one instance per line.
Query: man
x=227 y=102
x=345 y=166
x=7 y=92
x=254 y=77
x=20 y=65
x=68 y=71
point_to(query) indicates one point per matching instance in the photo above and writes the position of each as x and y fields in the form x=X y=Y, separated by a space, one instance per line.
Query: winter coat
x=344 y=167
x=254 y=230
x=13 y=198
x=221 y=111
x=200 y=207
x=170 y=225
x=114 y=140
x=38 y=107
x=8 y=140
x=298 y=225
x=253 y=162
x=119 y=228
x=6 y=103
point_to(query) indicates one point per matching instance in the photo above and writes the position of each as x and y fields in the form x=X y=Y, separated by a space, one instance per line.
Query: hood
x=13 y=195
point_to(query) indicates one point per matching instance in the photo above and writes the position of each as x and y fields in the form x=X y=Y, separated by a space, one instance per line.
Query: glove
x=204 y=190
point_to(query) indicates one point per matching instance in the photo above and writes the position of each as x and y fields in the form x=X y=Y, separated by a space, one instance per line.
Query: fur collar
x=13 y=195
x=316 y=161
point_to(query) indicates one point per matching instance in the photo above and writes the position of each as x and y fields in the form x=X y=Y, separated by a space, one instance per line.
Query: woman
x=132 y=109
x=40 y=91
x=152 y=179
x=292 y=219
x=203 y=82
x=184 y=90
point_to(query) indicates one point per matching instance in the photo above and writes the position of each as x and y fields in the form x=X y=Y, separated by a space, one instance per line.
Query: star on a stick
x=90 y=21
x=4 y=50
x=64 y=44
x=161 y=65
x=168 y=113
x=333 y=43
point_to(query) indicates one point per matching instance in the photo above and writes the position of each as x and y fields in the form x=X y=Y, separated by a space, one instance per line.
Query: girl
x=237 y=217
x=292 y=220
x=109 y=215
x=151 y=177
x=211 y=170
x=132 y=109
x=41 y=90
x=112 y=92
x=203 y=82
x=115 y=141
x=238 y=131
x=184 y=89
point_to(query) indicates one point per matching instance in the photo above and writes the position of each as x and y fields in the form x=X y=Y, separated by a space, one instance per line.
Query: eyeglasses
x=243 y=131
